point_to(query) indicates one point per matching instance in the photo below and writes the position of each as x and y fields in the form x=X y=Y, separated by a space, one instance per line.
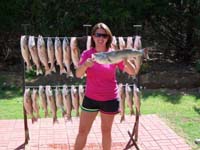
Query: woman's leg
x=106 y=127
x=86 y=120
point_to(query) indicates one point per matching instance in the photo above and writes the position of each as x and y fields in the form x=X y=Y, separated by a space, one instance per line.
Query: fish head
x=99 y=57
x=31 y=41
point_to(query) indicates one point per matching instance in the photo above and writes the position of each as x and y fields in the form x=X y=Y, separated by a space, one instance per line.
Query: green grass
x=181 y=111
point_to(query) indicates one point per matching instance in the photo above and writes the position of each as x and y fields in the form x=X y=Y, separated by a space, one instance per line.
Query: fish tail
x=45 y=114
x=122 y=118
x=55 y=120
x=29 y=67
x=53 y=69
x=47 y=72
x=62 y=71
x=39 y=71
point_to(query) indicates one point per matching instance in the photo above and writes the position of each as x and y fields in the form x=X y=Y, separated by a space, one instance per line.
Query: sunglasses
x=101 y=35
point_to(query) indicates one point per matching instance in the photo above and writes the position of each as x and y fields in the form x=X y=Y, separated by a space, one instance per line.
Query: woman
x=101 y=94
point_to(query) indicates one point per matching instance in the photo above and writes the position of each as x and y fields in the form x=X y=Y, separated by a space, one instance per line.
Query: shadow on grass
x=10 y=92
x=171 y=96
x=197 y=109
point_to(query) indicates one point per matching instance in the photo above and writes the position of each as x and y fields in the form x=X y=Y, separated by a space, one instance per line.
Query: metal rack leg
x=132 y=141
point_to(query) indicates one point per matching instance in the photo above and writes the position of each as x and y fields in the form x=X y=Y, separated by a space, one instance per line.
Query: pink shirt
x=101 y=83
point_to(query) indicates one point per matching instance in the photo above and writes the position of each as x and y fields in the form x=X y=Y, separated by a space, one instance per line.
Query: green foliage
x=198 y=66
x=173 y=21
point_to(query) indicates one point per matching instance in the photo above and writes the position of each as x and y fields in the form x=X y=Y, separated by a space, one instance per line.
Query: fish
x=25 y=52
x=35 y=104
x=28 y=104
x=81 y=93
x=51 y=54
x=129 y=98
x=67 y=56
x=136 y=98
x=59 y=55
x=43 y=99
x=114 y=43
x=122 y=96
x=74 y=51
x=112 y=57
x=129 y=43
x=51 y=102
x=122 y=44
x=67 y=102
x=137 y=42
x=42 y=53
x=59 y=100
x=34 y=54
x=75 y=100
x=88 y=44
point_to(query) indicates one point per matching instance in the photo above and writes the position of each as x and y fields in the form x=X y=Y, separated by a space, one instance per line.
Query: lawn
x=179 y=109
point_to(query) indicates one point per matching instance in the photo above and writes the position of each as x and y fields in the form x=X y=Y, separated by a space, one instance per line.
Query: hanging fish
x=129 y=98
x=122 y=44
x=35 y=104
x=112 y=57
x=59 y=55
x=136 y=98
x=74 y=51
x=42 y=52
x=51 y=103
x=75 y=100
x=137 y=42
x=129 y=42
x=34 y=54
x=67 y=102
x=28 y=104
x=25 y=52
x=88 y=45
x=122 y=97
x=59 y=100
x=114 y=44
x=67 y=56
x=43 y=99
x=51 y=54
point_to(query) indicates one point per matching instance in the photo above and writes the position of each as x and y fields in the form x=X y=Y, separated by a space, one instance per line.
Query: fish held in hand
x=113 y=57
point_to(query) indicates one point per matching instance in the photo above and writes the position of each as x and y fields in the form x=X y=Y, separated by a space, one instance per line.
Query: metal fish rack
x=132 y=141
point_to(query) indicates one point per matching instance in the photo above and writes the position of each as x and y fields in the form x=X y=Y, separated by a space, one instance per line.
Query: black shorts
x=107 y=107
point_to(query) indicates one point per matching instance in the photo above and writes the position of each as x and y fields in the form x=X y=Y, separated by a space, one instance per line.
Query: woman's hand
x=129 y=66
x=89 y=63
x=80 y=70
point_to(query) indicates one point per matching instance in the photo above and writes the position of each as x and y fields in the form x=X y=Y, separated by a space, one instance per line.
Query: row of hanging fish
x=47 y=98
x=66 y=99
x=63 y=53
x=46 y=55
x=129 y=96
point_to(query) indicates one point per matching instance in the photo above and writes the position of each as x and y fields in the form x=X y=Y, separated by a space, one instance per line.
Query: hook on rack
x=87 y=26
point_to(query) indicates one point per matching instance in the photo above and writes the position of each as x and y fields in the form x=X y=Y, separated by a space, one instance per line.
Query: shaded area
x=197 y=109
x=9 y=92
x=171 y=96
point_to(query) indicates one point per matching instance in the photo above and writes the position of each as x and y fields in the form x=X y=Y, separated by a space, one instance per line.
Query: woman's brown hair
x=107 y=30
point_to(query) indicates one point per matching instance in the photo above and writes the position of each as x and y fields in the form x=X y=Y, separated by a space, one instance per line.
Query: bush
x=198 y=66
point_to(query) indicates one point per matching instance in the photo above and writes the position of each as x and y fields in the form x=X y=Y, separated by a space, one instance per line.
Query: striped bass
x=113 y=57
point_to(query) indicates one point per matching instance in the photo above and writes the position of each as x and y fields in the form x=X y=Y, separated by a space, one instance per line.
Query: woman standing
x=101 y=94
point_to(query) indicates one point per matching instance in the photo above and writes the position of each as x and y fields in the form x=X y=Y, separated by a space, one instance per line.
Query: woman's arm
x=132 y=67
x=80 y=70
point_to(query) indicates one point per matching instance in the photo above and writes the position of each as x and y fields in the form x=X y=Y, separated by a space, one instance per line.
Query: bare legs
x=86 y=120
x=106 y=127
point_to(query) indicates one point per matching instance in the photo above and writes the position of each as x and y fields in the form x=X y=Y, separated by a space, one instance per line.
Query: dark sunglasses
x=101 y=35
